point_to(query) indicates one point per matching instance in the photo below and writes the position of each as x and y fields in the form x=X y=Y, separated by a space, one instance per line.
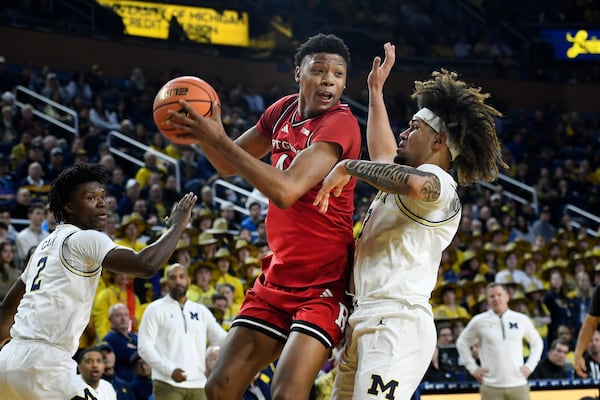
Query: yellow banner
x=203 y=25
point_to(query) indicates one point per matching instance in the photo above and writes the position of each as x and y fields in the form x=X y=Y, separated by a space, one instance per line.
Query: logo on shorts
x=377 y=385
x=326 y=293
x=342 y=317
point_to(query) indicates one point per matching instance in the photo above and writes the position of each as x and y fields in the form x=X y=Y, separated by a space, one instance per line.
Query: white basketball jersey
x=61 y=279
x=399 y=248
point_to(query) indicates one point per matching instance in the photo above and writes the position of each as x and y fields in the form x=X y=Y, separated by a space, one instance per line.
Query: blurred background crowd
x=548 y=257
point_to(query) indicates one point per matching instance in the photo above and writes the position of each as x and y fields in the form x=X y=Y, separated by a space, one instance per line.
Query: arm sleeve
x=336 y=127
x=268 y=119
x=147 y=336
x=536 y=344
x=87 y=246
x=464 y=342
x=215 y=334
x=448 y=193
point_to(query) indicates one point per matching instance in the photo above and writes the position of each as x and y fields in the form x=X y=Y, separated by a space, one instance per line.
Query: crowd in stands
x=549 y=266
x=501 y=37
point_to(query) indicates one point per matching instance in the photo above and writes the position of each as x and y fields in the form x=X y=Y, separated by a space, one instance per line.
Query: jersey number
x=37 y=281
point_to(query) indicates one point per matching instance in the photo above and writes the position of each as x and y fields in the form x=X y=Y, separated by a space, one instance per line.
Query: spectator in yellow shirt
x=449 y=307
x=201 y=289
x=224 y=273
x=119 y=290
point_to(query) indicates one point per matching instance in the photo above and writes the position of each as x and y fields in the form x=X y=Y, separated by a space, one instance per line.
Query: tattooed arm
x=387 y=177
x=396 y=179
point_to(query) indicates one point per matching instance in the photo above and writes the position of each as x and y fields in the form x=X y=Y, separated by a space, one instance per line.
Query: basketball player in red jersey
x=297 y=309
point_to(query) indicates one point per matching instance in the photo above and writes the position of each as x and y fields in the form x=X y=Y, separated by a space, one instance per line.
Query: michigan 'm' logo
x=378 y=386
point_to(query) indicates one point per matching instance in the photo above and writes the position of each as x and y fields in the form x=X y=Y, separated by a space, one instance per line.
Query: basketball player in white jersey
x=50 y=304
x=410 y=222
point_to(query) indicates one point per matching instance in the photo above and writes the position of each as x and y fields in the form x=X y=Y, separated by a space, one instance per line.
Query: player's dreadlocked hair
x=322 y=43
x=67 y=182
x=470 y=122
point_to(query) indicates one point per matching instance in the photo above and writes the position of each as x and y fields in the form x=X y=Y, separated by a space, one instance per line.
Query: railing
x=582 y=214
x=20 y=102
x=576 y=222
x=515 y=187
x=114 y=136
x=237 y=189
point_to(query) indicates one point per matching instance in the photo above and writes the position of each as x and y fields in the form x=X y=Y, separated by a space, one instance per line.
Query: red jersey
x=309 y=248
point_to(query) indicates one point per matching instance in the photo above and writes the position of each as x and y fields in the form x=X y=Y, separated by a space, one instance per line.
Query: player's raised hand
x=380 y=71
x=206 y=130
x=334 y=182
x=182 y=210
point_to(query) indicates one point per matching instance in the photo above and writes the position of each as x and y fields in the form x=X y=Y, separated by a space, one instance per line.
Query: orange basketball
x=197 y=92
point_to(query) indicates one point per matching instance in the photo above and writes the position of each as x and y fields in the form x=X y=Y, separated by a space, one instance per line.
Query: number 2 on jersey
x=37 y=281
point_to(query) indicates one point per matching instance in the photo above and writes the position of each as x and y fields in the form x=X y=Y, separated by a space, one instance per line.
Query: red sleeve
x=272 y=114
x=336 y=127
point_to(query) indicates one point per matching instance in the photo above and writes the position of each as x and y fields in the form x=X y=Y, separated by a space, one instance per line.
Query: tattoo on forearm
x=393 y=178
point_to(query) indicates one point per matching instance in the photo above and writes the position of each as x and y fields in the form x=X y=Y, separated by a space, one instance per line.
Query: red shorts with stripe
x=320 y=312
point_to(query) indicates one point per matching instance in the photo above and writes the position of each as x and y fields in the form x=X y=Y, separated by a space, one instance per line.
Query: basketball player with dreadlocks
x=391 y=334
x=47 y=309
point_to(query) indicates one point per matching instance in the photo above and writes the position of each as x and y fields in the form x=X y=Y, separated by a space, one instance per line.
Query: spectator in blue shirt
x=122 y=341
x=252 y=220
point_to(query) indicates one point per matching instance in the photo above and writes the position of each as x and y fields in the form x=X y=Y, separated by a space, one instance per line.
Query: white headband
x=436 y=123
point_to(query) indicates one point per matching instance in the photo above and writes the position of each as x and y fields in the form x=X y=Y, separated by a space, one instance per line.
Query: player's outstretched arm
x=380 y=137
x=150 y=259
x=8 y=309
x=210 y=130
x=333 y=183
x=387 y=177
x=283 y=187
x=251 y=141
